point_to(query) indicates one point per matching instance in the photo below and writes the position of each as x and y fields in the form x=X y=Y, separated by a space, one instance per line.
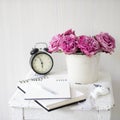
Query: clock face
x=42 y=63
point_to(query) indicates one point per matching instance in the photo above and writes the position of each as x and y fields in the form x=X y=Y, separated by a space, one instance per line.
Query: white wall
x=25 y=22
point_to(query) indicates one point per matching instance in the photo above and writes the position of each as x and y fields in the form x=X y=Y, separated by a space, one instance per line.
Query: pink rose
x=54 y=43
x=106 y=41
x=69 y=32
x=68 y=44
x=88 y=45
x=59 y=42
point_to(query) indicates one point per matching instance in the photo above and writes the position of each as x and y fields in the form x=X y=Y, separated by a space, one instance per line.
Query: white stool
x=29 y=110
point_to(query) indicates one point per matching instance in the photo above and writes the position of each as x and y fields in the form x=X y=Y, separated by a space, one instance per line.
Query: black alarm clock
x=41 y=61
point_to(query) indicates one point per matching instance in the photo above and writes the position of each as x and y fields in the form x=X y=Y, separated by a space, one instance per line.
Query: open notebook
x=45 y=88
x=49 y=101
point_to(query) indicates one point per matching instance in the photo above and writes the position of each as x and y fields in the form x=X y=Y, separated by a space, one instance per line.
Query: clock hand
x=41 y=62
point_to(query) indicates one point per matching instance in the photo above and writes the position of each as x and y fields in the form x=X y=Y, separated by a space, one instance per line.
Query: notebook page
x=48 y=88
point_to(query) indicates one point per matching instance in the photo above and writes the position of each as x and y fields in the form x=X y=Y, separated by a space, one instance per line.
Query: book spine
x=66 y=105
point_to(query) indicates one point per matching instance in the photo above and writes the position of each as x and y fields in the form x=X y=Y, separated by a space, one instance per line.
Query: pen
x=48 y=89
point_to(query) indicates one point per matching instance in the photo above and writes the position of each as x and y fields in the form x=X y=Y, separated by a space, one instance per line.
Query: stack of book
x=50 y=93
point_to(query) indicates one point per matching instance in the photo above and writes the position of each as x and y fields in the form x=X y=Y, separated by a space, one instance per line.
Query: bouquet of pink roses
x=69 y=43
